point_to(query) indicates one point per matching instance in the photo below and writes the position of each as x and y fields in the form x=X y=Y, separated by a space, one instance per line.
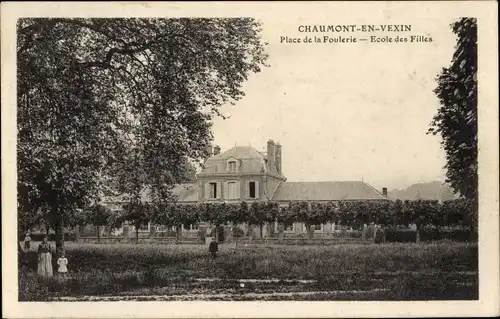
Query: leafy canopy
x=114 y=105
x=456 y=119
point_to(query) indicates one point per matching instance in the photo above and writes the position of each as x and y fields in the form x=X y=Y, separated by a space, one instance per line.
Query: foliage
x=126 y=268
x=347 y=213
x=114 y=105
x=456 y=119
x=98 y=215
x=138 y=213
x=400 y=235
x=31 y=286
x=238 y=232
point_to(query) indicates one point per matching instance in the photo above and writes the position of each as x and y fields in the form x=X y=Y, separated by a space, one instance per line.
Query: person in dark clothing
x=213 y=248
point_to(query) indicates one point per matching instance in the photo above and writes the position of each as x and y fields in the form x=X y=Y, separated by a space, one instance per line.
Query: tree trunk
x=310 y=234
x=77 y=233
x=177 y=235
x=417 y=240
x=98 y=234
x=281 y=230
x=20 y=250
x=137 y=234
x=261 y=228
x=250 y=232
x=60 y=233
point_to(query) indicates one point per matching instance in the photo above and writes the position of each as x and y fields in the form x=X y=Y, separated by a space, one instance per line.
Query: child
x=27 y=241
x=62 y=262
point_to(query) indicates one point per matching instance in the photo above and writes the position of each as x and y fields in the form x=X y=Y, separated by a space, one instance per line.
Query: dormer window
x=231 y=166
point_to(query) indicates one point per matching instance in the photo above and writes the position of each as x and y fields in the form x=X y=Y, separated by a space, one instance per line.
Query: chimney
x=384 y=191
x=277 y=157
x=209 y=151
x=217 y=150
x=271 y=148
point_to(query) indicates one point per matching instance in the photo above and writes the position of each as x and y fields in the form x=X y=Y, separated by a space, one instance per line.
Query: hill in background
x=432 y=191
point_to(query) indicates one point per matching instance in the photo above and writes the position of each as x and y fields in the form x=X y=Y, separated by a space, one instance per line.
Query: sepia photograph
x=246 y=158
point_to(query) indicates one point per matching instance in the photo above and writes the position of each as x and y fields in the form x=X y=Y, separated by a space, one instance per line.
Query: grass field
x=434 y=271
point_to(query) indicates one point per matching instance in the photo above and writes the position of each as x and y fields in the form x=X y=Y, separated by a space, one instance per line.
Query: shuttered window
x=253 y=190
x=232 y=190
x=212 y=190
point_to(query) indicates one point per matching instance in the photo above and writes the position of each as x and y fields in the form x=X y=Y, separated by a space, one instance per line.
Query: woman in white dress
x=45 y=259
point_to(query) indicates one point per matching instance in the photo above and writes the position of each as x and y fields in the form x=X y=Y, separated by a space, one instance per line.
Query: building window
x=252 y=191
x=232 y=167
x=195 y=227
x=213 y=190
x=318 y=227
x=232 y=189
x=289 y=227
x=144 y=226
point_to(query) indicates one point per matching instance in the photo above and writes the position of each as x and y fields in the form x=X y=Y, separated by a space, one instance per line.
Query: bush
x=461 y=235
x=238 y=232
x=68 y=236
x=201 y=235
x=380 y=236
x=31 y=287
x=111 y=269
x=400 y=235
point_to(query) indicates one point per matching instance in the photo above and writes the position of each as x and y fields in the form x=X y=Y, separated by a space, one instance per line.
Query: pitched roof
x=186 y=192
x=251 y=161
x=239 y=152
x=183 y=192
x=318 y=191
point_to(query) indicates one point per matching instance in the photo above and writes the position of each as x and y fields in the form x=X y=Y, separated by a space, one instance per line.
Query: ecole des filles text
x=351 y=39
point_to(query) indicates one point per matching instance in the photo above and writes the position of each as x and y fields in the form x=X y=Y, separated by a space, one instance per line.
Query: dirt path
x=224 y=296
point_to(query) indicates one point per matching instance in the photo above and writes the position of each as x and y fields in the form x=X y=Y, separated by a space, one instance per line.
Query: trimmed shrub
x=201 y=235
x=238 y=232
x=400 y=235
x=68 y=236
x=380 y=236
x=31 y=287
x=461 y=235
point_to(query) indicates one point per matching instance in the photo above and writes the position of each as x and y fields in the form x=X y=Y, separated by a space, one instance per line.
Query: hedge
x=52 y=237
x=400 y=235
x=456 y=213
x=410 y=235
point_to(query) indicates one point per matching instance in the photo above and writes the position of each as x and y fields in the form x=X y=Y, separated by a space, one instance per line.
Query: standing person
x=62 y=262
x=45 y=259
x=213 y=248
x=27 y=241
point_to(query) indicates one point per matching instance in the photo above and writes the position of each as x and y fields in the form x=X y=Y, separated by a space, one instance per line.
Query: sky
x=356 y=111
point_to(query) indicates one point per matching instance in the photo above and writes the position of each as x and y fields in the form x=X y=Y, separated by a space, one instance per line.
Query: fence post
x=250 y=233
x=281 y=232
x=152 y=232
x=126 y=232
x=77 y=233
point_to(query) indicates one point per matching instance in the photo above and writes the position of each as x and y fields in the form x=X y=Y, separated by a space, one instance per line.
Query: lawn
x=433 y=271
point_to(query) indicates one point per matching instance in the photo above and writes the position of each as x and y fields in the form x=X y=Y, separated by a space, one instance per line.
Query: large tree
x=118 y=104
x=456 y=119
